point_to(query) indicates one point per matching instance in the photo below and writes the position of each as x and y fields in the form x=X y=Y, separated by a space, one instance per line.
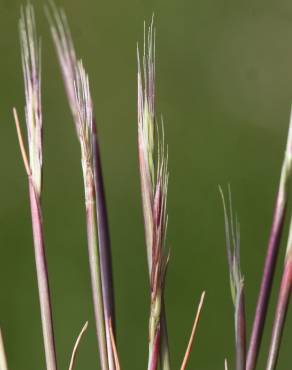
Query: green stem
x=94 y=263
x=164 y=346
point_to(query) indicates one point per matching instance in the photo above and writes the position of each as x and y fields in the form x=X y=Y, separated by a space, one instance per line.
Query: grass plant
x=154 y=179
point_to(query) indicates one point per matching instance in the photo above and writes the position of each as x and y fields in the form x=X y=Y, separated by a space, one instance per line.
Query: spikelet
x=232 y=234
x=153 y=162
x=31 y=64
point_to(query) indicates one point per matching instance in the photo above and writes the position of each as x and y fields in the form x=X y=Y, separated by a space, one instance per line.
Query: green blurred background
x=224 y=86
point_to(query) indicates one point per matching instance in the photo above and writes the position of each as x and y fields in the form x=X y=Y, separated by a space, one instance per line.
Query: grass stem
x=94 y=265
x=271 y=258
x=104 y=239
x=80 y=102
x=31 y=55
x=280 y=316
x=40 y=259
x=282 y=306
x=42 y=279
x=240 y=332
x=164 y=345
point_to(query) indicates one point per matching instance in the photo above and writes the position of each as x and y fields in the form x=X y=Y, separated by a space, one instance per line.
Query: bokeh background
x=224 y=86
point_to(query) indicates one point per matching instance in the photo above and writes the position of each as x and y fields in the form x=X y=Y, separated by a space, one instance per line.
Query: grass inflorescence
x=154 y=180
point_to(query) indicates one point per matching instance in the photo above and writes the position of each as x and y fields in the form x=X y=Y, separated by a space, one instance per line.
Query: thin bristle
x=116 y=356
x=21 y=143
x=194 y=328
x=76 y=346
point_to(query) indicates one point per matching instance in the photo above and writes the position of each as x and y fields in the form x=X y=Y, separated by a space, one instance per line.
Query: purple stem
x=164 y=345
x=104 y=244
x=155 y=351
x=267 y=279
x=281 y=311
x=240 y=332
x=42 y=279
x=95 y=273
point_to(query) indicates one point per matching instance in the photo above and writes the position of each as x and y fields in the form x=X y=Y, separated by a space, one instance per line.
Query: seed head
x=153 y=161
x=232 y=234
x=77 y=88
x=31 y=64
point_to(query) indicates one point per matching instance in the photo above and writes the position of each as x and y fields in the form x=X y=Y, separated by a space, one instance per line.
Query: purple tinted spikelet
x=66 y=55
x=31 y=65
x=68 y=62
x=30 y=52
x=146 y=131
x=236 y=281
x=159 y=260
x=78 y=93
x=153 y=160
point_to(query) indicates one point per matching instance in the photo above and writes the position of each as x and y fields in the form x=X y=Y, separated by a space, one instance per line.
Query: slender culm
x=30 y=51
x=271 y=257
x=103 y=237
x=282 y=306
x=80 y=102
x=280 y=316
